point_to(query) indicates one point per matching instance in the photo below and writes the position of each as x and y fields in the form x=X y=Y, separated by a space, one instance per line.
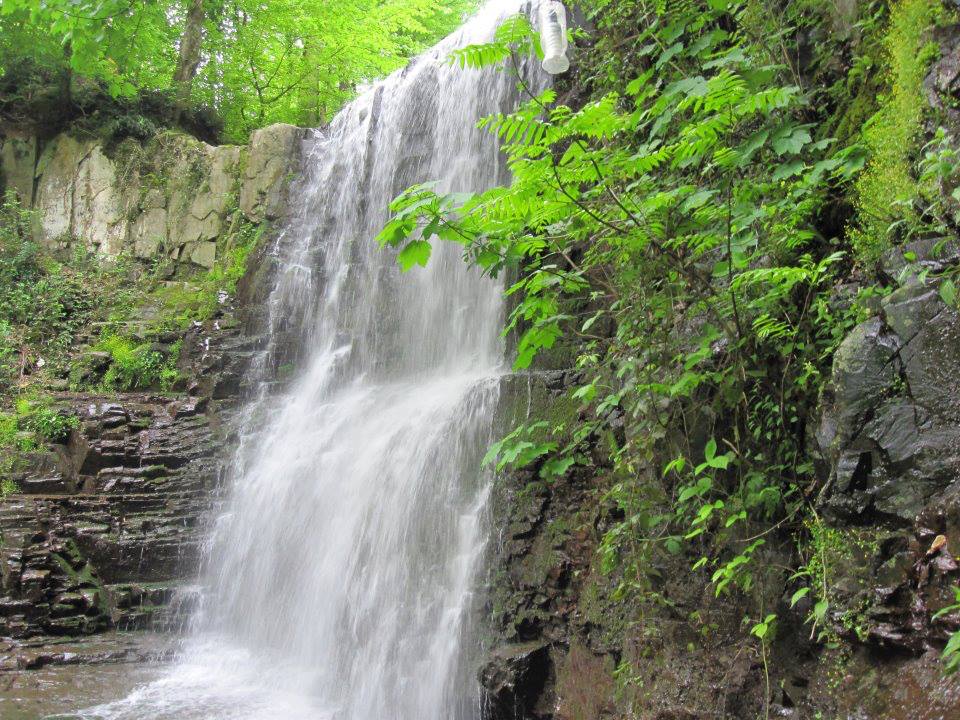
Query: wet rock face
x=888 y=440
x=515 y=678
x=104 y=538
x=106 y=530
x=890 y=429
x=543 y=646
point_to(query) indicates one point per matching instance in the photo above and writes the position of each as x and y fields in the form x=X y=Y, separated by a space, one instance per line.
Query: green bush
x=19 y=255
x=138 y=365
x=8 y=430
x=33 y=422
x=46 y=422
x=886 y=191
x=43 y=303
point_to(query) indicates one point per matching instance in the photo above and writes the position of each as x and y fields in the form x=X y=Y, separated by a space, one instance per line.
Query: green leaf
x=790 y=140
x=677 y=464
x=948 y=292
x=416 y=252
x=586 y=393
x=799 y=595
x=788 y=170
x=710 y=450
x=556 y=467
x=395 y=232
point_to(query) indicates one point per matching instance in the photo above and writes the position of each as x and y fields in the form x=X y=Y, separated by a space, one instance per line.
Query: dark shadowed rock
x=515 y=677
x=889 y=433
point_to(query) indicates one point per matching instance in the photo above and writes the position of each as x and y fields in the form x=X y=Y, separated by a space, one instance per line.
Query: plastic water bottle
x=552 y=18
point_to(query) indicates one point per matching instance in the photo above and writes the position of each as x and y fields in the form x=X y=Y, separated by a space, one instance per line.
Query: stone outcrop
x=176 y=198
x=108 y=526
x=889 y=433
x=888 y=443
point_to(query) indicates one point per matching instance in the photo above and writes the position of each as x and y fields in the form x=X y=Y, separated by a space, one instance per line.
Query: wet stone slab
x=54 y=677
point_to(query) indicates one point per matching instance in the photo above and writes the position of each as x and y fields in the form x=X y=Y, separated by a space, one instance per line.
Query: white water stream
x=341 y=572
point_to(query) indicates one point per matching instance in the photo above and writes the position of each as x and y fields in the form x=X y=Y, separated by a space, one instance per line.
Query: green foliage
x=8 y=431
x=138 y=365
x=822 y=550
x=36 y=415
x=884 y=192
x=670 y=228
x=33 y=422
x=43 y=303
x=532 y=443
x=951 y=652
x=514 y=36
x=257 y=63
x=47 y=305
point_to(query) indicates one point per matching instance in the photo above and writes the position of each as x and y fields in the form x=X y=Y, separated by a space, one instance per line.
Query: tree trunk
x=66 y=77
x=311 y=113
x=189 y=59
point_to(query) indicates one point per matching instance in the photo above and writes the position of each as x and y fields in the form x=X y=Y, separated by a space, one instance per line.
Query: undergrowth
x=887 y=191
x=70 y=319
x=688 y=230
x=49 y=305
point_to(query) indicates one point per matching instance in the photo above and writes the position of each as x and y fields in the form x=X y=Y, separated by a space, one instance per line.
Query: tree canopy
x=254 y=62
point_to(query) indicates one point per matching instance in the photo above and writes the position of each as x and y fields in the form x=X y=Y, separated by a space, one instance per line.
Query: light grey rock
x=154 y=199
x=98 y=215
x=271 y=158
x=149 y=233
x=57 y=174
x=204 y=254
x=181 y=208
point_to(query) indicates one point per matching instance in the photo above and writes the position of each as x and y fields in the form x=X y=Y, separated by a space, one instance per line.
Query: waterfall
x=341 y=570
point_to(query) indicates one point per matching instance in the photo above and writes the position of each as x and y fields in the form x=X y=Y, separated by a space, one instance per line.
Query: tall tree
x=255 y=62
x=189 y=56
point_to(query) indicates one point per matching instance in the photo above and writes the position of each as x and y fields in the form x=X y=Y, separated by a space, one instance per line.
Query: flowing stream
x=341 y=570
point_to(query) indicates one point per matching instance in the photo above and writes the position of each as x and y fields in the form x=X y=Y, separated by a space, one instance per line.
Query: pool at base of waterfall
x=44 y=677
x=217 y=682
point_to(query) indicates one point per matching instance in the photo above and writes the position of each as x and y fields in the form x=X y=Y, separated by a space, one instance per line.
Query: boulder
x=888 y=433
x=204 y=254
x=514 y=679
x=271 y=158
x=149 y=233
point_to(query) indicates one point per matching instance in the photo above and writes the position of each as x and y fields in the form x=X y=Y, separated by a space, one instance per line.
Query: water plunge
x=342 y=566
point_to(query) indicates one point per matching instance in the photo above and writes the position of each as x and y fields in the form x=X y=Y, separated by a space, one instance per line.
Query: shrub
x=43 y=303
x=884 y=192
x=46 y=422
x=137 y=366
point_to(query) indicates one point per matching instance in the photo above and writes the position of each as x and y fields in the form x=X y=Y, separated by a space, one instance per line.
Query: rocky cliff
x=172 y=198
x=566 y=642
x=104 y=528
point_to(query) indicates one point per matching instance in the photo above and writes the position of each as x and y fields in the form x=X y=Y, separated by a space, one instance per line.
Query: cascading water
x=342 y=566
